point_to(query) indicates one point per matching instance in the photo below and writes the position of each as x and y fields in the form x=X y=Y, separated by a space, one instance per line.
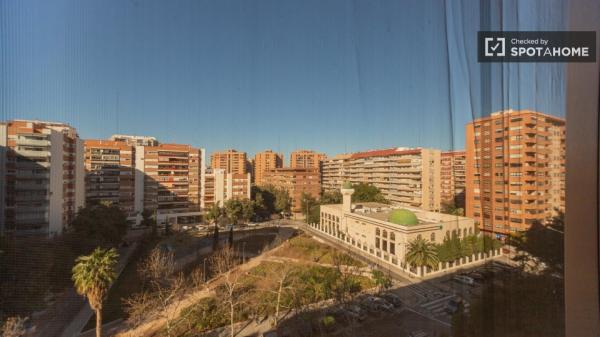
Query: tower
x=347 y=192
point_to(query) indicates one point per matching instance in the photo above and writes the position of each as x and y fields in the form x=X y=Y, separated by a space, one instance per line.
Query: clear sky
x=330 y=75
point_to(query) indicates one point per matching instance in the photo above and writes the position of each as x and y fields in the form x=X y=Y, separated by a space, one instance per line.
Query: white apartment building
x=408 y=177
x=221 y=186
x=42 y=176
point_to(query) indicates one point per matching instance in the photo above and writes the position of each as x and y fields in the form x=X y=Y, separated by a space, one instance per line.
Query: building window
x=384 y=245
x=392 y=248
x=384 y=233
x=377 y=232
x=392 y=236
x=377 y=243
x=432 y=237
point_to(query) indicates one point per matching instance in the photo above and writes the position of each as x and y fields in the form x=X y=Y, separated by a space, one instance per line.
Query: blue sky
x=334 y=76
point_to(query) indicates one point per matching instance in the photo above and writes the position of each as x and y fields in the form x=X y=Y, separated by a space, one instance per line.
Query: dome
x=403 y=217
x=347 y=185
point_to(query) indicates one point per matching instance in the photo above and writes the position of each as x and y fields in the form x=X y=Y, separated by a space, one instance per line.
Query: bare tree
x=163 y=294
x=224 y=263
x=13 y=327
x=348 y=271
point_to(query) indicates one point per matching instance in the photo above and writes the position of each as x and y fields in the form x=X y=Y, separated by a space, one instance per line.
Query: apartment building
x=333 y=173
x=306 y=159
x=408 y=177
x=110 y=173
x=221 y=186
x=168 y=182
x=135 y=140
x=232 y=161
x=42 y=176
x=515 y=171
x=296 y=181
x=452 y=177
x=264 y=161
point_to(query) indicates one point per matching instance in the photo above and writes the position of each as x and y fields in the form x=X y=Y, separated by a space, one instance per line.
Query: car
x=393 y=299
x=453 y=305
x=464 y=279
x=477 y=276
x=378 y=303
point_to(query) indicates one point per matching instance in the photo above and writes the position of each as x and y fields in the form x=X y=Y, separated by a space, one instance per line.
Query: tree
x=450 y=207
x=382 y=281
x=213 y=215
x=422 y=253
x=13 y=327
x=248 y=209
x=93 y=275
x=283 y=202
x=105 y=224
x=163 y=291
x=367 y=193
x=149 y=221
x=331 y=197
x=308 y=206
x=224 y=263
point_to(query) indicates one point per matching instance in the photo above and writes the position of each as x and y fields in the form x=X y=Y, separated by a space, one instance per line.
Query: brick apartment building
x=452 y=177
x=296 y=181
x=409 y=177
x=42 y=176
x=515 y=172
x=232 y=161
x=306 y=159
x=110 y=173
x=264 y=161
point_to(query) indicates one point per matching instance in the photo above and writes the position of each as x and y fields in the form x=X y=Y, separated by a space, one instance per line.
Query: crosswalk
x=437 y=308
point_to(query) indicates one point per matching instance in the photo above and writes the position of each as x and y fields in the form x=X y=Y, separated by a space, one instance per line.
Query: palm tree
x=92 y=275
x=422 y=253
x=213 y=215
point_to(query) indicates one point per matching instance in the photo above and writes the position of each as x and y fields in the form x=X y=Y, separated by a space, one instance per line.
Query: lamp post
x=204 y=267
x=244 y=252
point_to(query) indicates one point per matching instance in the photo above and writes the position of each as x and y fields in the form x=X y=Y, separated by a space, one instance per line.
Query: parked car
x=453 y=305
x=393 y=299
x=464 y=279
x=356 y=312
x=377 y=303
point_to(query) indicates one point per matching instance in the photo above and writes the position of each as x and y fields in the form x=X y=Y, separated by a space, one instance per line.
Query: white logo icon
x=495 y=46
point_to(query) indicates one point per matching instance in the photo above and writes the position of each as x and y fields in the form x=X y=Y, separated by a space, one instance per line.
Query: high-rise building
x=306 y=159
x=409 y=177
x=515 y=171
x=42 y=176
x=168 y=182
x=296 y=181
x=110 y=173
x=264 y=161
x=333 y=171
x=221 y=186
x=231 y=161
x=135 y=140
x=452 y=177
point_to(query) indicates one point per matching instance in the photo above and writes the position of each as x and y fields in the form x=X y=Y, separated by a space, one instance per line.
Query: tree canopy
x=367 y=193
x=104 y=224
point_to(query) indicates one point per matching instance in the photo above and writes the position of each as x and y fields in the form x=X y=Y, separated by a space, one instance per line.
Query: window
x=432 y=237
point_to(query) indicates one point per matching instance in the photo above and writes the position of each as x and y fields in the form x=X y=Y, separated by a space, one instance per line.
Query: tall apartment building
x=306 y=159
x=42 y=176
x=231 y=161
x=452 y=177
x=515 y=172
x=264 y=161
x=168 y=182
x=296 y=181
x=110 y=173
x=409 y=177
x=220 y=186
x=135 y=140
x=333 y=171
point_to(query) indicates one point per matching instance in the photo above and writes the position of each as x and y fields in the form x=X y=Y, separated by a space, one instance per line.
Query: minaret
x=347 y=192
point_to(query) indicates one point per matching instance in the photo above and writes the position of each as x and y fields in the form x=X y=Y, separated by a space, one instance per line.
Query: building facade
x=135 y=140
x=296 y=181
x=110 y=173
x=409 y=177
x=306 y=159
x=515 y=172
x=264 y=161
x=42 y=176
x=232 y=161
x=453 y=177
x=384 y=231
x=221 y=186
x=333 y=171
x=168 y=182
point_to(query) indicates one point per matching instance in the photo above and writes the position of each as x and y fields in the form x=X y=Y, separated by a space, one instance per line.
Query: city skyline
x=337 y=77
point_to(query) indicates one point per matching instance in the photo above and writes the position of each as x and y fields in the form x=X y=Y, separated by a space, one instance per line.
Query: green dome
x=347 y=185
x=403 y=217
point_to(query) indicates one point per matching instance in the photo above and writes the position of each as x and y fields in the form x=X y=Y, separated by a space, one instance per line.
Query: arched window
x=384 y=233
x=377 y=231
x=465 y=232
x=454 y=233
x=447 y=234
x=432 y=237
x=392 y=236
x=419 y=236
x=470 y=230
